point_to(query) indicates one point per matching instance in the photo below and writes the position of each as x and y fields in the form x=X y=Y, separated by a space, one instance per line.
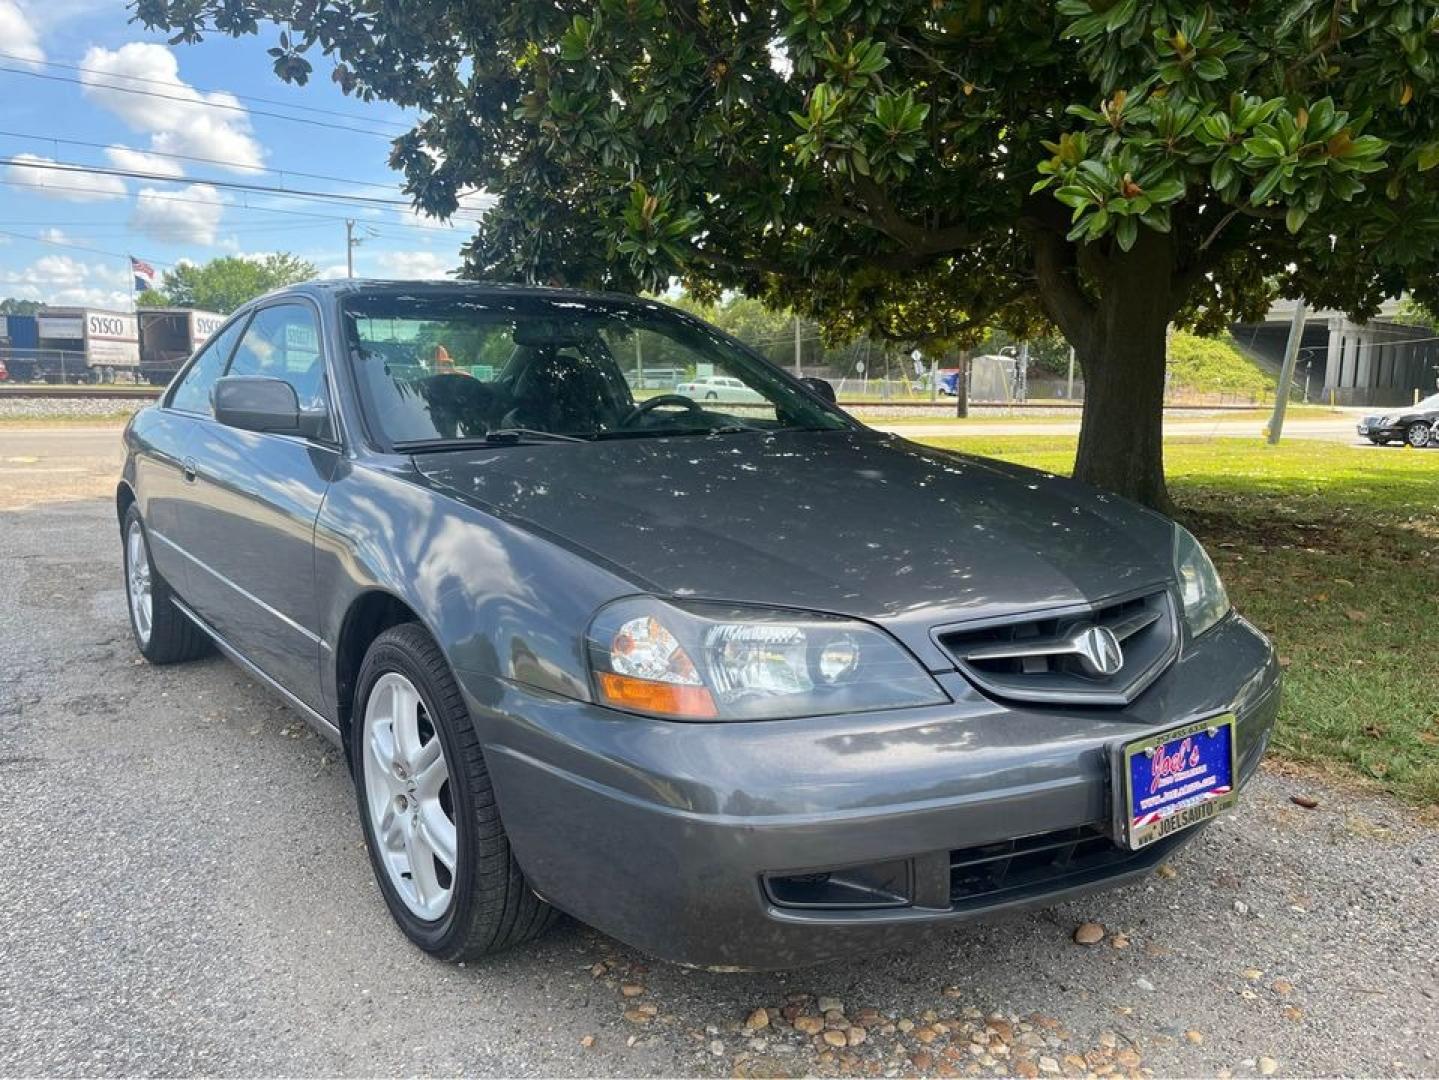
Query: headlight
x=1202 y=593
x=709 y=661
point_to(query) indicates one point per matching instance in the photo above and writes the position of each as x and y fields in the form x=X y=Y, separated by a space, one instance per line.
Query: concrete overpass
x=1379 y=363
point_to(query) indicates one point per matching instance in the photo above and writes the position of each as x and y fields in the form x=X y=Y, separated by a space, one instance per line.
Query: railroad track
x=79 y=393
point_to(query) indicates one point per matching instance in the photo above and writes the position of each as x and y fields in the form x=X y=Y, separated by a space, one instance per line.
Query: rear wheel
x=162 y=634
x=427 y=807
x=1418 y=434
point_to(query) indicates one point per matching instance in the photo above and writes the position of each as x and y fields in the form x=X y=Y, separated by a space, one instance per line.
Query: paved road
x=60 y=462
x=184 y=891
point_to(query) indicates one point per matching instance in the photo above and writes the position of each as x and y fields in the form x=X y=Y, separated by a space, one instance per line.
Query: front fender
x=500 y=601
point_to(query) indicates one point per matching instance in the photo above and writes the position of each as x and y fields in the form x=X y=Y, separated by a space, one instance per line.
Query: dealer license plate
x=1176 y=779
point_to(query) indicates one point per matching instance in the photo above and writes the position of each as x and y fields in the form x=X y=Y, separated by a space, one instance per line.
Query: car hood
x=857 y=523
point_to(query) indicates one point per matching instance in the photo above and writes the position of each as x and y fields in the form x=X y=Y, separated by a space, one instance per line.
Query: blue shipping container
x=24 y=331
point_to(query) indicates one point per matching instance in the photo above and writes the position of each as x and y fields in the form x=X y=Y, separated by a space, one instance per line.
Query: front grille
x=1069 y=655
x=1013 y=869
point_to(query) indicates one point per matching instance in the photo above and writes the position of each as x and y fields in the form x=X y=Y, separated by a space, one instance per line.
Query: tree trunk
x=1119 y=338
x=961 y=387
x=1121 y=438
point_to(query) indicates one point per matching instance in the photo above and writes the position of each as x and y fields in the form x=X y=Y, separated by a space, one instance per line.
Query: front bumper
x=663 y=834
x=1375 y=430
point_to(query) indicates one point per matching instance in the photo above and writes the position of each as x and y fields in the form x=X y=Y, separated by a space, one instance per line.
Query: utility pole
x=797 y=371
x=350 y=247
x=1286 y=372
x=1069 y=386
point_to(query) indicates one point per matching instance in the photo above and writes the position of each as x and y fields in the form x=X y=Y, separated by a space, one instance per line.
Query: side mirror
x=821 y=388
x=265 y=405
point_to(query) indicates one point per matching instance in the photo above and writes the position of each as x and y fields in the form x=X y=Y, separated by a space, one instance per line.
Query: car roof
x=334 y=288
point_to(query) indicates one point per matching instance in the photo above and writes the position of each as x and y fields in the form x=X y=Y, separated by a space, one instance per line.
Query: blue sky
x=65 y=238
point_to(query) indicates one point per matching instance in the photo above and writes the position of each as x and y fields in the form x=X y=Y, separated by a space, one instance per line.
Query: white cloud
x=29 y=171
x=189 y=215
x=414 y=264
x=54 y=236
x=123 y=157
x=20 y=38
x=179 y=122
x=66 y=280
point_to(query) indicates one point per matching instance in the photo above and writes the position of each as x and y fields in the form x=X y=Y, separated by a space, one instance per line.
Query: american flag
x=144 y=274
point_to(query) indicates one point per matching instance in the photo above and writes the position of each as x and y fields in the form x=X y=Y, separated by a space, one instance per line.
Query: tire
x=1378 y=442
x=711 y=396
x=1418 y=434
x=162 y=634
x=487 y=905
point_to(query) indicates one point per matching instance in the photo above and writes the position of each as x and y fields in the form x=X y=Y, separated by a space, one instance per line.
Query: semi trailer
x=94 y=345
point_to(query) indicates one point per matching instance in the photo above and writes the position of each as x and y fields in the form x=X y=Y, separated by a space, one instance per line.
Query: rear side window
x=192 y=395
x=283 y=342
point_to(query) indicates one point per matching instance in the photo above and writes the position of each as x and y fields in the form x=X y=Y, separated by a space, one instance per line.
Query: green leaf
x=1074 y=195
x=1126 y=232
x=1294 y=219
x=1265 y=187
x=1221 y=173
x=1210 y=68
x=1165 y=191
x=1428 y=156
x=1120 y=14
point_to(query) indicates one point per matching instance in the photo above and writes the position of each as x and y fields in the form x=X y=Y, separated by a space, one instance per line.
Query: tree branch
x=884 y=216
x=1057 y=271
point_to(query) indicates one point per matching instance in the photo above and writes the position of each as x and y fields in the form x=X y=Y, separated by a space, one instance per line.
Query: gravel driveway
x=185 y=892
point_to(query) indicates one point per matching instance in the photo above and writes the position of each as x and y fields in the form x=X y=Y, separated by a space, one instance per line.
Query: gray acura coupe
x=740 y=682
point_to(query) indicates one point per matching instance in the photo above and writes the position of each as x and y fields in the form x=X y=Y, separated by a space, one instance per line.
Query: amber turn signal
x=660 y=698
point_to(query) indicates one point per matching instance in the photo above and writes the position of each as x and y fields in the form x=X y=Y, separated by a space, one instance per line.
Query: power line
x=223 y=163
x=199 y=90
x=233 y=185
x=201 y=102
x=169 y=197
x=77 y=247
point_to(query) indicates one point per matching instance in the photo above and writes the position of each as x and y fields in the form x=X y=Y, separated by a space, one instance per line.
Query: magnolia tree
x=918 y=168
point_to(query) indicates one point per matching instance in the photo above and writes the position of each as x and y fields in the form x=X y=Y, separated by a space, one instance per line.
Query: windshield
x=1431 y=402
x=438 y=367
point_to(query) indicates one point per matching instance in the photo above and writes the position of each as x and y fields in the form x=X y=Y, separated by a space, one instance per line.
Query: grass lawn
x=994 y=414
x=1334 y=551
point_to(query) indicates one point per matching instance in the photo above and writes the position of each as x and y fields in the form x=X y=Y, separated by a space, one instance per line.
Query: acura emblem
x=1099 y=649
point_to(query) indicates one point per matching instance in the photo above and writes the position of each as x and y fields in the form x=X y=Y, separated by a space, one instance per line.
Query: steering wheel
x=644 y=407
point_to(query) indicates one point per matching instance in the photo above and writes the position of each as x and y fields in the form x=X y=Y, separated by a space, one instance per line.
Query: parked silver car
x=723 y=388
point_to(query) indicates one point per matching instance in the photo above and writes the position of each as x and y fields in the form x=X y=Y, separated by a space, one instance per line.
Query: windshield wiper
x=498 y=437
x=516 y=434
x=674 y=433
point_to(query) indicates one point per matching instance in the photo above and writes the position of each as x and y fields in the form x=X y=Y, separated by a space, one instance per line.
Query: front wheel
x=162 y=634
x=427 y=807
x=1418 y=435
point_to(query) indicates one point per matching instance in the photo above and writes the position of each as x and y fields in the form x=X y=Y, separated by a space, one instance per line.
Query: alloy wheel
x=137 y=581
x=1419 y=435
x=407 y=794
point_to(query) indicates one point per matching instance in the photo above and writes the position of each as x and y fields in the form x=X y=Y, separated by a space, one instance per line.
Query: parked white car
x=719 y=388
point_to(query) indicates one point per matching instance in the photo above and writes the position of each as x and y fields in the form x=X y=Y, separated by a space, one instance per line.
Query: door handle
x=188 y=468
